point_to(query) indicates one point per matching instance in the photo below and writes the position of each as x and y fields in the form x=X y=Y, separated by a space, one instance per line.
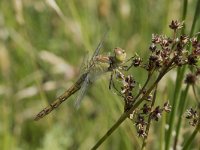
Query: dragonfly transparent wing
x=82 y=92
x=85 y=85
x=96 y=52
x=84 y=64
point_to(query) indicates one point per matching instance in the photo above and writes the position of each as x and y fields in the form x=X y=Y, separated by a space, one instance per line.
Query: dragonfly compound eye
x=120 y=54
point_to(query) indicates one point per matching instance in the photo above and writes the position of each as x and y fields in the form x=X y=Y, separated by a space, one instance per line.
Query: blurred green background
x=42 y=46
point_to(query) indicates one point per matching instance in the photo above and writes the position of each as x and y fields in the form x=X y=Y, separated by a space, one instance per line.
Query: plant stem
x=184 y=14
x=175 y=103
x=196 y=16
x=182 y=107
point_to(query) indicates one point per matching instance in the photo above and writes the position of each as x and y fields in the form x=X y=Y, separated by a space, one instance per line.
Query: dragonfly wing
x=84 y=86
x=96 y=52
x=84 y=64
x=82 y=92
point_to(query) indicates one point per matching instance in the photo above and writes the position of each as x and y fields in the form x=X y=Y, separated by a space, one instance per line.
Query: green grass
x=41 y=49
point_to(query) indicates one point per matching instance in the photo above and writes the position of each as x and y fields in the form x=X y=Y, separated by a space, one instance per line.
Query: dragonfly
x=97 y=65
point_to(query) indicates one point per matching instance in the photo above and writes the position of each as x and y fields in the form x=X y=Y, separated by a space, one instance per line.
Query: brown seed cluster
x=128 y=84
x=192 y=115
x=190 y=78
x=175 y=24
x=173 y=51
x=166 y=53
x=141 y=119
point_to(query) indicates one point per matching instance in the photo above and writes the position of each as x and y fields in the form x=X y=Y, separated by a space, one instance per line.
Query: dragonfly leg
x=129 y=59
x=126 y=68
x=112 y=84
x=118 y=92
x=111 y=80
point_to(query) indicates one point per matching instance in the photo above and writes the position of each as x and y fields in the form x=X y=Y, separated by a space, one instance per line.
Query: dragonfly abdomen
x=73 y=89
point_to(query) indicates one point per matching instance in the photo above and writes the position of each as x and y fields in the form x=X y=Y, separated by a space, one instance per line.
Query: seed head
x=152 y=47
x=198 y=72
x=137 y=61
x=140 y=121
x=194 y=42
x=156 y=39
x=156 y=114
x=184 y=39
x=190 y=78
x=192 y=59
x=191 y=113
x=167 y=107
x=141 y=133
x=175 y=25
x=146 y=109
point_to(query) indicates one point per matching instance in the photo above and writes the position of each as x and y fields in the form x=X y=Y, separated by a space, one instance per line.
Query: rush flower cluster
x=166 y=53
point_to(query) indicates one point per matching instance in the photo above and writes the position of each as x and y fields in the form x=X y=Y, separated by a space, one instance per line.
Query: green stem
x=175 y=102
x=178 y=84
x=184 y=14
x=195 y=95
x=182 y=107
x=196 y=16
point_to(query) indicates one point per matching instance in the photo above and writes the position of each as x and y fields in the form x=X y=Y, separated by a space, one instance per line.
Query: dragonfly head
x=120 y=54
